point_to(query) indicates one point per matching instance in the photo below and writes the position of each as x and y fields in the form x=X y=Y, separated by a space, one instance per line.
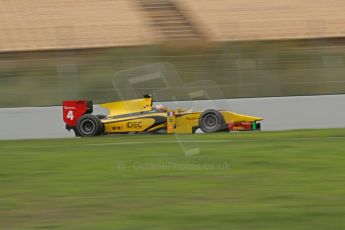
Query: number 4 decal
x=70 y=115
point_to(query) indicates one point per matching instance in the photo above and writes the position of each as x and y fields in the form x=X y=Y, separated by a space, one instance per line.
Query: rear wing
x=74 y=109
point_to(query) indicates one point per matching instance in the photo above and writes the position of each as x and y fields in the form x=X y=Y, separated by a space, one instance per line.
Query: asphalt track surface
x=280 y=113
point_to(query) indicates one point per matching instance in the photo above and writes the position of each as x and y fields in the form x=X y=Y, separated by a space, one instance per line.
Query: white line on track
x=174 y=141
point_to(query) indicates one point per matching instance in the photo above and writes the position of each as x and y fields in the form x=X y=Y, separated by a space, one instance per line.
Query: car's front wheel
x=89 y=125
x=211 y=121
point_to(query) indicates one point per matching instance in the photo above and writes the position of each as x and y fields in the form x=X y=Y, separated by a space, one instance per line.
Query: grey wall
x=280 y=113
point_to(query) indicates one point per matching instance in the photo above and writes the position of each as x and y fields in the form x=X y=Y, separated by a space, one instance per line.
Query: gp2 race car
x=140 y=116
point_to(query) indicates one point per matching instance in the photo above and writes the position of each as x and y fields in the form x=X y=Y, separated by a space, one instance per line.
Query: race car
x=141 y=116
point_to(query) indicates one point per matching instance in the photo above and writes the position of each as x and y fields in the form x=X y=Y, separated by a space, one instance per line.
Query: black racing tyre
x=89 y=125
x=77 y=134
x=101 y=116
x=211 y=121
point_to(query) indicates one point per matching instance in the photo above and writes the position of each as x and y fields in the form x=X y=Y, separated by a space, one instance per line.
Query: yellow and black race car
x=140 y=116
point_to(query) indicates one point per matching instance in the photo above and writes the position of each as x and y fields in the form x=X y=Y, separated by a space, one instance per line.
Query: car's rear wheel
x=211 y=121
x=77 y=134
x=89 y=125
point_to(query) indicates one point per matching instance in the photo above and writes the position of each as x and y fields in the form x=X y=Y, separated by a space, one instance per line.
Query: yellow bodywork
x=126 y=107
x=231 y=117
x=135 y=123
x=139 y=116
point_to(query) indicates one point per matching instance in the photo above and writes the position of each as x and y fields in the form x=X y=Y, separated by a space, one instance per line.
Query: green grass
x=270 y=180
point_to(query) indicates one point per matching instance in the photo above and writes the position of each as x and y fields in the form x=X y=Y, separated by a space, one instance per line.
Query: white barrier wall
x=280 y=113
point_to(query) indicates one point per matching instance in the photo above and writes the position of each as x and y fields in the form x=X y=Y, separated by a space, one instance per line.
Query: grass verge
x=268 y=180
